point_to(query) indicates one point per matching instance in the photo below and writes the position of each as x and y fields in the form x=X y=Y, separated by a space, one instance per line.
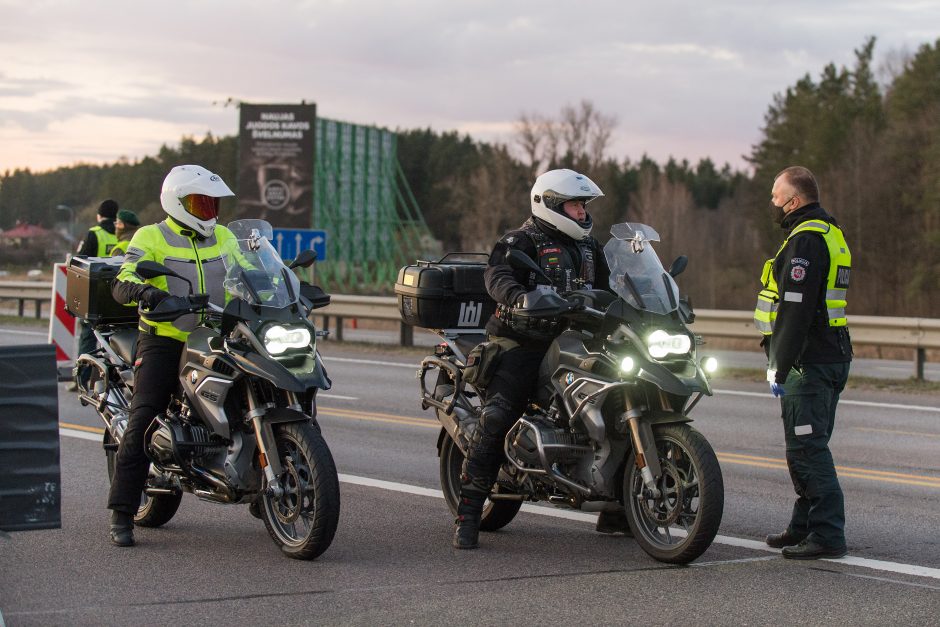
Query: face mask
x=777 y=213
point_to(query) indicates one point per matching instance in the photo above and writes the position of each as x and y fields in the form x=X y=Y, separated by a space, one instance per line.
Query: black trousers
x=809 y=415
x=513 y=384
x=87 y=343
x=156 y=378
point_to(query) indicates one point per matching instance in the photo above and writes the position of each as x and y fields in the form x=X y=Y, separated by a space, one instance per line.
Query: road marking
x=15 y=332
x=894 y=567
x=896 y=432
x=725 y=458
x=843 y=401
x=338 y=397
x=371 y=362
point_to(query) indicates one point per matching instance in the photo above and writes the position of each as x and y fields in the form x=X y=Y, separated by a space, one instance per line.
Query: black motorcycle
x=608 y=428
x=242 y=427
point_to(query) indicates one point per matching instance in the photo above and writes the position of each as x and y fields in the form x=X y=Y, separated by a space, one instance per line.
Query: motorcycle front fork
x=644 y=444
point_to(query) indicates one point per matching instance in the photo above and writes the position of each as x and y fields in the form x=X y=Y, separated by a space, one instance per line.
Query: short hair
x=802 y=181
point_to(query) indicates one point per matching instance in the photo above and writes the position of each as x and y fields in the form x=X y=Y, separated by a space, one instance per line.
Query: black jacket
x=802 y=334
x=558 y=255
x=89 y=245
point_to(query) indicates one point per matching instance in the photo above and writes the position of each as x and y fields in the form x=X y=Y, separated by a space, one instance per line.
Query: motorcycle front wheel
x=155 y=510
x=302 y=520
x=496 y=514
x=678 y=525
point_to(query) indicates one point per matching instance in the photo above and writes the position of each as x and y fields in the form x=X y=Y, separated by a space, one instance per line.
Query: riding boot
x=467 y=524
x=122 y=528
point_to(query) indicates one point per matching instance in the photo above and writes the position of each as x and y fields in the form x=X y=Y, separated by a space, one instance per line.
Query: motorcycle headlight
x=661 y=344
x=626 y=365
x=278 y=339
x=710 y=365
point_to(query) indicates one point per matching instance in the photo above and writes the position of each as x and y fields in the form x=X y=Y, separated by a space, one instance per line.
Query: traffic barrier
x=63 y=326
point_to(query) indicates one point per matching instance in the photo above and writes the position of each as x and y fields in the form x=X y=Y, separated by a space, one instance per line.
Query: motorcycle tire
x=496 y=514
x=155 y=510
x=311 y=493
x=680 y=525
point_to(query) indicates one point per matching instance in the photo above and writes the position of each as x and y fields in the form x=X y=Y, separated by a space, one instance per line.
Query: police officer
x=801 y=312
x=189 y=242
x=558 y=238
x=125 y=225
x=98 y=242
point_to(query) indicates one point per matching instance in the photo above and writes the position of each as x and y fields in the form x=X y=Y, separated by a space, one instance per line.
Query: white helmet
x=553 y=189
x=190 y=195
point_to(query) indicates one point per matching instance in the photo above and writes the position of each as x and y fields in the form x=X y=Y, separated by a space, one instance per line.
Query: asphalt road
x=391 y=561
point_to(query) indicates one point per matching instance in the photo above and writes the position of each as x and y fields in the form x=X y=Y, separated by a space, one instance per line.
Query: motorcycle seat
x=124 y=343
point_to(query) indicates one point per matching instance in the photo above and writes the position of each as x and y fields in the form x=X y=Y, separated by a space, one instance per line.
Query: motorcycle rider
x=558 y=238
x=190 y=243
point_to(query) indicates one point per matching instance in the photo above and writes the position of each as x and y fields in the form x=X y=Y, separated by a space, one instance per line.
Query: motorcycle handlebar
x=172 y=307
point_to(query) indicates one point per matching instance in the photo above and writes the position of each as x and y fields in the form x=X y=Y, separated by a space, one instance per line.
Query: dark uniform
x=98 y=242
x=810 y=350
x=570 y=265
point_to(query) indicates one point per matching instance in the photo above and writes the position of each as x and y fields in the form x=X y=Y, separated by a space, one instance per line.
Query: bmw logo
x=569 y=378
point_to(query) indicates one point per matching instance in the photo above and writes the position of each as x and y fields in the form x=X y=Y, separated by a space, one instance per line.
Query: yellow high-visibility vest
x=837 y=281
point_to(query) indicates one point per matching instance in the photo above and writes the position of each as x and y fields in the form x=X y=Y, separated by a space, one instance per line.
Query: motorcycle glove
x=153 y=297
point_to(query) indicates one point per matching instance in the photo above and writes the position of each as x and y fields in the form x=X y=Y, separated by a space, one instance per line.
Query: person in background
x=98 y=242
x=801 y=312
x=125 y=226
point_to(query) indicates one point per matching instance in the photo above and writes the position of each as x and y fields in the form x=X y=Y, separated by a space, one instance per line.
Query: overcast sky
x=95 y=80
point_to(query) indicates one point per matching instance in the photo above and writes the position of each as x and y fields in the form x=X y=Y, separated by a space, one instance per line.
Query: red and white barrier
x=62 y=325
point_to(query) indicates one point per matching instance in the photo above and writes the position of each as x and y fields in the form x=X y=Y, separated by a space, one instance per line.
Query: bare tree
x=580 y=133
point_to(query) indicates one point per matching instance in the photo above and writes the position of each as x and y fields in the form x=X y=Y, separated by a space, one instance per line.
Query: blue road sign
x=289 y=242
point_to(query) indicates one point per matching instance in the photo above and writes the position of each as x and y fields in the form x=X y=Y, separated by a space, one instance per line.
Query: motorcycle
x=609 y=426
x=242 y=427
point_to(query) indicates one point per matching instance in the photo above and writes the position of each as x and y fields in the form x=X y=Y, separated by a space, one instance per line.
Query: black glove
x=153 y=297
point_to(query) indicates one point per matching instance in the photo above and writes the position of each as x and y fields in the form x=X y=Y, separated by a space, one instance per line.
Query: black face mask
x=777 y=213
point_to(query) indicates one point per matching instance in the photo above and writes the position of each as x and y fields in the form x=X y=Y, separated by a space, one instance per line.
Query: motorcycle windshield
x=636 y=273
x=254 y=271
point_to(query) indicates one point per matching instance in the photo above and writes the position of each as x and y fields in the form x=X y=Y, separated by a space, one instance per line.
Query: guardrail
x=918 y=334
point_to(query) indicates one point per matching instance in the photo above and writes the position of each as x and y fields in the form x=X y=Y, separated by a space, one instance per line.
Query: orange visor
x=201 y=206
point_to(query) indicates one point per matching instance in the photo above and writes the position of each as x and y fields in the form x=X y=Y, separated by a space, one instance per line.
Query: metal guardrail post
x=406 y=334
x=339 y=328
x=920 y=357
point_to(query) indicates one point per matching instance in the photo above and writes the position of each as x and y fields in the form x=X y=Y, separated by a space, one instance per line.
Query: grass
x=16 y=321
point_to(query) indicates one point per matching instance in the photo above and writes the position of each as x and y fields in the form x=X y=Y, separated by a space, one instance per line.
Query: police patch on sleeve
x=797 y=274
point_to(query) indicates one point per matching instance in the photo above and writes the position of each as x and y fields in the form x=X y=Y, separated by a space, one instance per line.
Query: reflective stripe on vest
x=198 y=261
x=837 y=280
x=106 y=241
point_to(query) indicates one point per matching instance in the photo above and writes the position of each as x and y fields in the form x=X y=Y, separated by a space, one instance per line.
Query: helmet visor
x=201 y=206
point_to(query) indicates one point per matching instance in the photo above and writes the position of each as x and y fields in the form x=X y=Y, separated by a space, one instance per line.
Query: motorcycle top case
x=445 y=294
x=88 y=291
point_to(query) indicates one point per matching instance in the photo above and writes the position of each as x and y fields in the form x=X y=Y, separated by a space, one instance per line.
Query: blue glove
x=777 y=389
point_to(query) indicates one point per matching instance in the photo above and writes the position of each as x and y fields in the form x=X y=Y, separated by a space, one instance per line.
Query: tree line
x=874 y=146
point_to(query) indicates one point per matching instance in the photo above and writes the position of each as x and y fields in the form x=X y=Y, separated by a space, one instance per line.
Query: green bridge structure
x=364 y=203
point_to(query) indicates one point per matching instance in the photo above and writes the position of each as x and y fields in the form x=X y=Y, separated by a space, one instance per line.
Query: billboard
x=276 y=145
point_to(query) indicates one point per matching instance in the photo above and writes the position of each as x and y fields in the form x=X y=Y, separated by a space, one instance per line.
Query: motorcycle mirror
x=151 y=270
x=521 y=261
x=304 y=259
x=678 y=266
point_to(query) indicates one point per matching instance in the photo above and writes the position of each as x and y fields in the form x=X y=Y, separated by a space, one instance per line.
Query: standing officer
x=191 y=243
x=98 y=242
x=558 y=238
x=125 y=226
x=801 y=312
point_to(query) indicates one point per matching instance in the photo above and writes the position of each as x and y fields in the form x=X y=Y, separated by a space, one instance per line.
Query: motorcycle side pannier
x=88 y=291
x=445 y=294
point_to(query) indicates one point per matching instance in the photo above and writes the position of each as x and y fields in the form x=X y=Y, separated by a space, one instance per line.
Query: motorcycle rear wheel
x=154 y=511
x=496 y=514
x=680 y=525
x=303 y=520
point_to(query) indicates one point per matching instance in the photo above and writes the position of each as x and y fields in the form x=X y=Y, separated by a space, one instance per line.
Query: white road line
x=371 y=362
x=861 y=562
x=15 y=332
x=841 y=401
x=339 y=397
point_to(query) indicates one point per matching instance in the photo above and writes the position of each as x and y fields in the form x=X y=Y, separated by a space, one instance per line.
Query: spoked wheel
x=496 y=514
x=680 y=524
x=303 y=518
x=155 y=510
